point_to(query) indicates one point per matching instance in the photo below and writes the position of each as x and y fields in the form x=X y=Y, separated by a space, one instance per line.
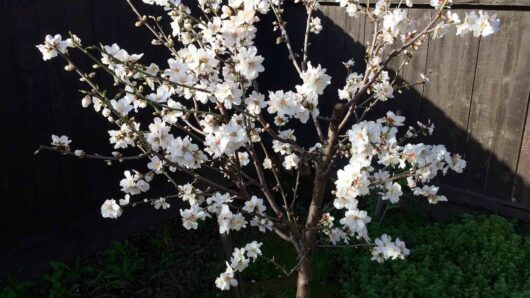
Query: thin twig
x=91 y=156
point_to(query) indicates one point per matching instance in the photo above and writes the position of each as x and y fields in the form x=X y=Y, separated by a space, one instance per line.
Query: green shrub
x=474 y=256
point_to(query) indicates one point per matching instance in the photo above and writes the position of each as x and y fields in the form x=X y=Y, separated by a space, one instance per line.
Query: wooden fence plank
x=8 y=189
x=354 y=42
x=336 y=39
x=408 y=101
x=450 y=68
x=345 y=41
x=522 y=181
x=512 y=110
x=485 y=102
x=63 y=16
x=34 y=179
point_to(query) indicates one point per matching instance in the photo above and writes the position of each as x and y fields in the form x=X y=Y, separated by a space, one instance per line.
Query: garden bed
x=470 y=256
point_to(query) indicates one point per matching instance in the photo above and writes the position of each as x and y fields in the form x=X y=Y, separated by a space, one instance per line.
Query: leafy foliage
x=144 y=266
x=475 y=256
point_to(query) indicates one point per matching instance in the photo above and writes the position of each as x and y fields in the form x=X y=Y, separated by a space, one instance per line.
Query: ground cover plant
x=469 y=256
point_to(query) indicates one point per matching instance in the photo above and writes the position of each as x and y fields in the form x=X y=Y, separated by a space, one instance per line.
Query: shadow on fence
x=487 y=183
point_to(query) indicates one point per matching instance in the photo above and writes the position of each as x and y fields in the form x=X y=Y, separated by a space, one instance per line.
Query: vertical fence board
x=35 y=180
x=408 y=101
x=336 y=52
x=7 y=183
x=485 y=102
x=450 y=68
x=354 y=42
x=522 y=181
x=318 y=47
x=512 y=109
x=63 y=16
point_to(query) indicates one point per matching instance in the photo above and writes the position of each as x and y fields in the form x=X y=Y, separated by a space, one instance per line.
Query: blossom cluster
x=377 y=161
x=385 y=249
x=398 y=26
x=240 y=260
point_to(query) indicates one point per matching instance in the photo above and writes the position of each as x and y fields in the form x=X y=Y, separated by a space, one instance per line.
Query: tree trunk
x=303 y=283
x=305 y=271
x=309 y=234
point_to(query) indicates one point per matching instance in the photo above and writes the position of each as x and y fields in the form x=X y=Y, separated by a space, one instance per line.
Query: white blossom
x=190 y=194
x=51 y=46
x=158 y=135
x=253 y=249
x=122 y=138
x=355 y=220
x=256 y=205
x=239 y=260
x=61 y=142
x=262 y=223
x=161 y=204
x=243 y=158
x=133 y=184
x=315 y=25
x=481 y=25
x=315 y=81
x=226 y=279
x=121 y=106
x=291 y=161
x=156 y=165
x=255 y=102
x=80 y=153
x=217 y=201
x=455 y=162
x=110 y=209
x=226 y=140
x=393 y=192
x=386 y=249
x=249 y=63
x=191 y=216
x=267 y=163
x=227 y=220
x=431 y=193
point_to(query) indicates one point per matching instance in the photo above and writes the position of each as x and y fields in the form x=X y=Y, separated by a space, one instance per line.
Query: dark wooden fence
x=50 y=203
x=478 y=99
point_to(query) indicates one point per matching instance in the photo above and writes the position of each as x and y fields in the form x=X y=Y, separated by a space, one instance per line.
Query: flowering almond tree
x=236 y=142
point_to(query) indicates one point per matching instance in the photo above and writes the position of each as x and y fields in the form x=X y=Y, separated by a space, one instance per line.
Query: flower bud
x=69 y=67
x=86 y=101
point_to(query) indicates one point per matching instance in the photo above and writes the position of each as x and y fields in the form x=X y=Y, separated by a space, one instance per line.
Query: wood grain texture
x=354 y=43
x=512 y=110
x=336 y=36
x=522 y=182
x=450 y=67
x=408 y=101
x=485 y=103
x=28 y=104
